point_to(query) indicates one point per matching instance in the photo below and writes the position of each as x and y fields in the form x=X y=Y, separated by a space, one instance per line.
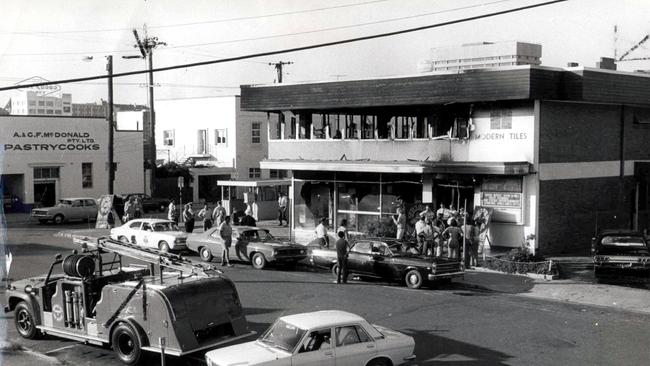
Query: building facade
x=215 y=138
x=34 y=103
x=47 y=158
x=553 y=154
x=482 y=55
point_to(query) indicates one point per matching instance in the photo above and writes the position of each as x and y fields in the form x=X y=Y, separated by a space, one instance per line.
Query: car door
x=360 y=259
x=316 y=349
x=76 y=211
x=353 y=345
x=147 y=235
x=214 y=242
x=240 y=243
x=133 y=232
x=382 y=264
x=90 y=207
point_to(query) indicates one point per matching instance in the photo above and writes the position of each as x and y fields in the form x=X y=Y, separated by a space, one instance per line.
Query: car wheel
x=206 y=254
x=413 y=279
x=335 y=271
x=126 y=344
x=379 y=362
x=258 y=261
x=123 y=239
x=42 y=221
x=24 y=319
x=58 y=219
x=163 y=247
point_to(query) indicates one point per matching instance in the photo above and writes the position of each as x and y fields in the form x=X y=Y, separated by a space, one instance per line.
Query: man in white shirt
x=321 y=233
x=282 y=208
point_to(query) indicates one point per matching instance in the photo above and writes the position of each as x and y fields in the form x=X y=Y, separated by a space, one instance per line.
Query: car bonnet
x=250 y=353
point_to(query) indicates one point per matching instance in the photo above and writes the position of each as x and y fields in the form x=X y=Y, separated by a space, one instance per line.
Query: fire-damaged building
x=555 y=154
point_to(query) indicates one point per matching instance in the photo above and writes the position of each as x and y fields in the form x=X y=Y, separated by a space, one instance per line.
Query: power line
x=295 y=49
x=203 y=22
x=278 y=35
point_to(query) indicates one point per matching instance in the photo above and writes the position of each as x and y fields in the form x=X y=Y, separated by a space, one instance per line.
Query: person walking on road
x=342 y=258
x=282 y=208
x=188 y=217
x=206 y=215
x=400 y=222
x=225 y=231
x=172 y=212
x=218 y=214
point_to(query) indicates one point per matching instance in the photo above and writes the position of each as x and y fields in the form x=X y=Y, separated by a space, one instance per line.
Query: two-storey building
x=555 y=154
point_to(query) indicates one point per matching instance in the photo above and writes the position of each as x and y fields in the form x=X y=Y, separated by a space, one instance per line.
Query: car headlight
x=28 y=289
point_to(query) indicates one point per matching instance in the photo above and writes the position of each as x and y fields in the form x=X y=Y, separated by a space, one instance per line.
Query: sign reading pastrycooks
x=51 y=141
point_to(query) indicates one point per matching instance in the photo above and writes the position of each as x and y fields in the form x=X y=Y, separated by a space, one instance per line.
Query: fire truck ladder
x=149 y=255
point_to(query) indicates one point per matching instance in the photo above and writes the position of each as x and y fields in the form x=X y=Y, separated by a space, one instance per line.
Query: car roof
x=322 y=318
x=152 y=221
x=77 y=198
x=621 y=232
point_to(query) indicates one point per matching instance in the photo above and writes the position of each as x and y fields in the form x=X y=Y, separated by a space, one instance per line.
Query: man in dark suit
x=342 y=258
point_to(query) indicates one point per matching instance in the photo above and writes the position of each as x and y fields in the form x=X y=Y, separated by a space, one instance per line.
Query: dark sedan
x=249 y=244
x=383 y=258
x=621 y=253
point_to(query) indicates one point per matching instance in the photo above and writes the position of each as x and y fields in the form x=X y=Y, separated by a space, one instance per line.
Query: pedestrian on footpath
x=188 y=217
x=342 y=249
x=321 y=234
x=206 y=215
x=172 y=212
x=420 y=225
x=138 y=207
x=472 y=246
x=225 y=231
x=129 y=209
x=454 y=235
x=218 y=214
x=282 y=208
x=343 y=228
x=400 y=222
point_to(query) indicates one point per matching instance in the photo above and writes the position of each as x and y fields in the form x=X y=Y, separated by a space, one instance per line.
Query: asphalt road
x=451 y=325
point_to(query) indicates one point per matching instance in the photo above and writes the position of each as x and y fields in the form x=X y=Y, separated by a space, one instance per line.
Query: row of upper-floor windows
x=219 y=137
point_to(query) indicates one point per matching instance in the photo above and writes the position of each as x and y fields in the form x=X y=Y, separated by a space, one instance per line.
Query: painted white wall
x=41 y=141
x=129 y=120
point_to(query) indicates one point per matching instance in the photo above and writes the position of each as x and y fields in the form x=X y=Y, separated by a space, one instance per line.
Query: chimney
x=606 y=63
x=572 y=64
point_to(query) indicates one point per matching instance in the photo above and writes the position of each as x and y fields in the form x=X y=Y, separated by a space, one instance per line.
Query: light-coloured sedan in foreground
x=325 y=338
x=163 y=235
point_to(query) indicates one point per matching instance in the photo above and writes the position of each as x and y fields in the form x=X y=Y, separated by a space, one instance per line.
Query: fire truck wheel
x=25 y=321
x=163 y=246
x=413 y=279
x=206 y=254
x=258 y=261
x=126 y=344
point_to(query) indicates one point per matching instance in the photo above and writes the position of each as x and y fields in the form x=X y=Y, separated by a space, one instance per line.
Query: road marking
x=61 y=348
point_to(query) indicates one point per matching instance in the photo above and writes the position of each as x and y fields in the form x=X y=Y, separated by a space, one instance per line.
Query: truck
x=184 y=308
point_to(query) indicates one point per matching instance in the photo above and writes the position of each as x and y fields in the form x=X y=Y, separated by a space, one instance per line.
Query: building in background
x=482 y=55
x=217 y=141
x=555 y=154
x=47 y=158
x=34 y=103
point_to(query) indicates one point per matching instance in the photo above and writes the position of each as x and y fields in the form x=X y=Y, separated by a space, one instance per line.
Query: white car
x=155 y=233
x=324 y=338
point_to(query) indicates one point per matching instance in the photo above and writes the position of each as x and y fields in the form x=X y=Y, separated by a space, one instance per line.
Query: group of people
x=210 y=216
x=132 y=208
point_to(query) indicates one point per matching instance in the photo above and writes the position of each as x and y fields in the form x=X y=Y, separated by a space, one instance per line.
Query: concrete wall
x=248 y=154
x=67 y=142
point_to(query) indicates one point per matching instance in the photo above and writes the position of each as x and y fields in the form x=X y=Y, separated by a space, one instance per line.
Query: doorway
x=45 y=194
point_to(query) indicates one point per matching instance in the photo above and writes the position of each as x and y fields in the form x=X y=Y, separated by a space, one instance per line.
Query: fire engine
x=185 y=308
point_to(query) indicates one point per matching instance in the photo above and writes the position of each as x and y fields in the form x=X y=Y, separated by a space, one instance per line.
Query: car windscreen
x=165 y=226
x=256 y=235
x=283 y=335
x=64 y=203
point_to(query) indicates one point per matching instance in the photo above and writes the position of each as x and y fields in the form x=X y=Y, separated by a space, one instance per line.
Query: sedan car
x=383 y=258
x=150 y=203
x=68 y=209
x=619 y=253
x=155 y=233
x=326 y=338
x=249 y=244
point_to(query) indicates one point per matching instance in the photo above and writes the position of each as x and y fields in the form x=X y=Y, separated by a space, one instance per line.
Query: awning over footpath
x=254 y=183
x=419 y=167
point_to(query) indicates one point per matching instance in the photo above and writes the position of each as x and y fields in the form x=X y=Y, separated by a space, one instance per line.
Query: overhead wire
x=294 y=49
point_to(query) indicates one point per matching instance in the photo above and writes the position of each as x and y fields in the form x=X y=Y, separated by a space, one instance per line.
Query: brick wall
x=571 y=210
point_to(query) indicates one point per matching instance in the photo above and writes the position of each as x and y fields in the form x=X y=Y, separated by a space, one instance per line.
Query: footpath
x=578 y=288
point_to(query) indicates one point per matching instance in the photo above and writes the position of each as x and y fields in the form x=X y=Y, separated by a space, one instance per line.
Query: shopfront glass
x=313 y=201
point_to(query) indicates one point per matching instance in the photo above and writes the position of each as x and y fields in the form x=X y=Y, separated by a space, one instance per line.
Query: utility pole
x=278 y=68
x=111 y=125
x=146 y=47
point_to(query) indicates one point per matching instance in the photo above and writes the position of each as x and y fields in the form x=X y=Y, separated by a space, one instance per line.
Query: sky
x=50 y=39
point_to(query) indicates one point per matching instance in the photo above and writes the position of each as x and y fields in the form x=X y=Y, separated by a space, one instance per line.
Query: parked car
x=383 y=258
x=320 y=338
x=155 y=233
x=621 y=253
x=150 y=203
x=249 y=244
x=68 y=209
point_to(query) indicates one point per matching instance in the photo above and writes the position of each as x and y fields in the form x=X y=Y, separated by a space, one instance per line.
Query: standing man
x=172 y=213
x=206 y=215
x=218 y=214
x=282 y=208
x=138 y=207
x=420 y=228
x=129 y=209
x=225 y=231
x=342 y=258
x=321 y=234
x=400 y=222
